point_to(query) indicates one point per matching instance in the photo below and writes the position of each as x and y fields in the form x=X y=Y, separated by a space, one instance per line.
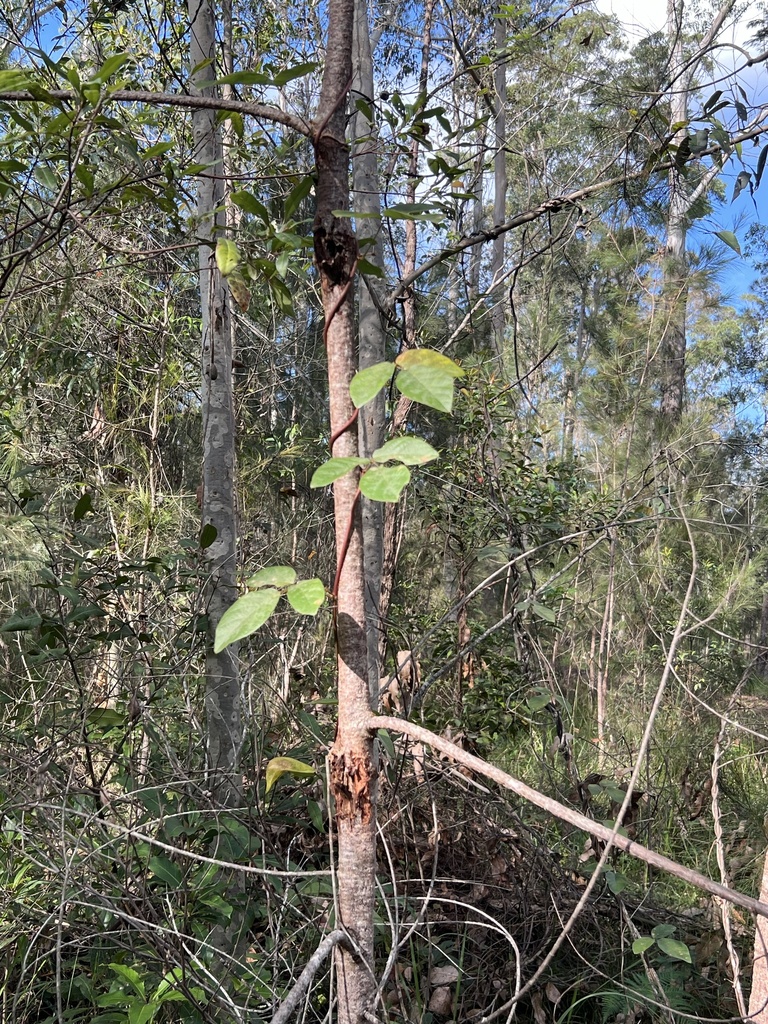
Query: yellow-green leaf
x=272 y=576
x=412 y=357
x=227 y=256
x=411 y=451
x=280 y=766
x=366 y=384
x=245 y=616
x=384 y=483
x=307 y=597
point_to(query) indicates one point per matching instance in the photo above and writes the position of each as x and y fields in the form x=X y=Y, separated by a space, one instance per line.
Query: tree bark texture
x=758 y=998
x=223 y=717
x=352 y=773
x=371 y=329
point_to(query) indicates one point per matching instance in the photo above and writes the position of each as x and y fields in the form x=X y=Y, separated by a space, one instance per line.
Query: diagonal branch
x=558 y=810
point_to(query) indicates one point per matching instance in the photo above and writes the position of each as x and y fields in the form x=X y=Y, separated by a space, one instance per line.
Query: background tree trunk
x=223 y=719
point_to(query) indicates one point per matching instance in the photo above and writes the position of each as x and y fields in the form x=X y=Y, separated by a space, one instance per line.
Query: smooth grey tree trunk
x=371 y=330
x=498 y=317
x=222 y=697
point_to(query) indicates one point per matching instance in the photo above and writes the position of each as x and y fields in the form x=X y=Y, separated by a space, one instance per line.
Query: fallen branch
x=558 y=810
x=298 y=991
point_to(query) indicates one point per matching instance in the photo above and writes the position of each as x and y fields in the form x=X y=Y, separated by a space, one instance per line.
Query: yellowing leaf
x=227 y=256
x=428 y=357
x=280 y=766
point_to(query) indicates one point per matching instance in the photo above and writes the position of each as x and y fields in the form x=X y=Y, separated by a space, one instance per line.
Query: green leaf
x=12 y=80
x=367 y=383
x=730 y=239
x=248 y=202
x=227 y=256
x=412 y=451
x=165 y=870
x=84 y=505
x=333 y=469
x=280 y=766
x=208 y=535
x=245 y=616
x=369 y=269
x=110 y=66
x=384 y=483
x=315 y=813
x=663 y=931
x=18 y=623
x=272 y=576
x=131 y=976
x=675 y=948
x=289 y=74
x=616 y=881
x=242 y=78
x=428 y=357
x=642 y=944
x=539 y=701
x=307 y=597
x=543 y=612
x=428 y=386
x=413 y=211
x=142 y=1014
x=297 y=194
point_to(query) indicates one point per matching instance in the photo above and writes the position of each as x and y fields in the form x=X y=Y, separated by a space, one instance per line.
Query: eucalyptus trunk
x=371 y=330
x=222 y=696
x=351 y=760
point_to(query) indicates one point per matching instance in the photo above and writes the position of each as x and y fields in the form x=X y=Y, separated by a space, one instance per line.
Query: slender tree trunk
x=758 y=997
x=352 y=773
x=498 y=318
x=371 y=330
x=675 y=273
x=224 y=727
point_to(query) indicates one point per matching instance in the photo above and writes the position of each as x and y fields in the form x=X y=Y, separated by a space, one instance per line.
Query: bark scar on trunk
x=352 y=779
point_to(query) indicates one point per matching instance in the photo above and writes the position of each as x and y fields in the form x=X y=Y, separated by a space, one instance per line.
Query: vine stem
x=345 y=546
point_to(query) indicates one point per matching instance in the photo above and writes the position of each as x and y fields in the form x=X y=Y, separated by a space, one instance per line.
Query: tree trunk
x=352 y=774
x=371 y=331
x=223 y=720
x=498 y=317
x=758 y=998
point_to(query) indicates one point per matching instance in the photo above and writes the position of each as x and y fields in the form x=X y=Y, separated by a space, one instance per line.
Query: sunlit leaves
x=366 y=384
x=384 y=483
x=334 y=469
x=730 y=240
x=272 y=576
x=427 y=377
x=411 y=451
x=306 y=597
x=245 y=616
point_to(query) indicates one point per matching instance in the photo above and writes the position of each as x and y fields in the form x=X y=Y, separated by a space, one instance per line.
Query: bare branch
x=568 y=814
x=298 y=991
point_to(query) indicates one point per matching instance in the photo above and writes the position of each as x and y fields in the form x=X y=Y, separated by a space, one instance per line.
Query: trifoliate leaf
x=384 y=483
x=280 y=766
x=307 y=597
x=245 y=616
x=366 y=384
x=411 y=451
x=272 y=576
